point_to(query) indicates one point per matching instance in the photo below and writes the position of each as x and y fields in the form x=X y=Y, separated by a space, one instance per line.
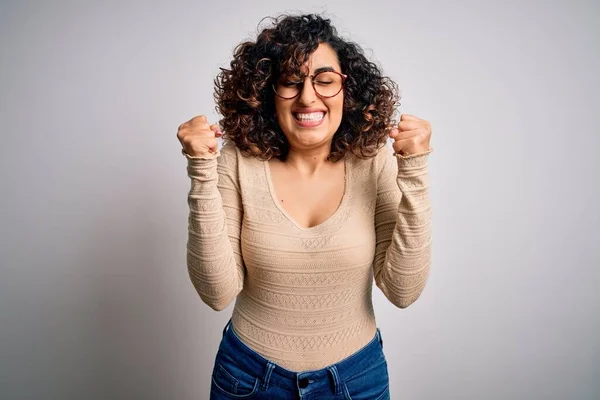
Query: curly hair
x=246 y=101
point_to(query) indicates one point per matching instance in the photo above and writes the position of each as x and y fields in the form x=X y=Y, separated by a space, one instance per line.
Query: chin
x=315 y=142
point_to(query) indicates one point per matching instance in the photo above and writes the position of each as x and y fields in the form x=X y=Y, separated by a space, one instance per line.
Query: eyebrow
x=326 y=68
x=322 y=69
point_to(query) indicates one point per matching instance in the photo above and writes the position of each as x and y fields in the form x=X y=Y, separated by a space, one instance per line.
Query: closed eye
x=291 y=83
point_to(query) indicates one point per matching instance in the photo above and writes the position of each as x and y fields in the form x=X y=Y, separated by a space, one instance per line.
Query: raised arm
x=403 y=226
x=214 y=257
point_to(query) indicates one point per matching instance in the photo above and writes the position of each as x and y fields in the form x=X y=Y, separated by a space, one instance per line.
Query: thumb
x=215 y=128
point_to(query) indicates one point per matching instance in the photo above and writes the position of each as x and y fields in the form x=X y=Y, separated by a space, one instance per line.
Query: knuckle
x=200 y=126
x=187 y=140
x=181 y=134
x=199 y=118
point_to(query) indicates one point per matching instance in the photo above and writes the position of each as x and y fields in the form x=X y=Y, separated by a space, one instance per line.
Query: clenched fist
x=198 y=137
x=412 y=136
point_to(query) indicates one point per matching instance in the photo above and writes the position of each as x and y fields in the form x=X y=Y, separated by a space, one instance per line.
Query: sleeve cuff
x=210 y=156
x=413 y=160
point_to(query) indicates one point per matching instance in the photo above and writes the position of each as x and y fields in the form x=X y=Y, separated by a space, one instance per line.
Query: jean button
x=303 y=383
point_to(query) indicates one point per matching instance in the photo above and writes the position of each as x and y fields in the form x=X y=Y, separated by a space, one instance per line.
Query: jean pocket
x=370 y=384
x=230 y=380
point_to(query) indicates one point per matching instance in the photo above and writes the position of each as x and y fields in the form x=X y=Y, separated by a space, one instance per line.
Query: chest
x=332 y=218
x=307 y=201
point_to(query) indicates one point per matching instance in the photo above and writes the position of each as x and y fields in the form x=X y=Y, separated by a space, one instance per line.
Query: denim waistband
x=272 y=373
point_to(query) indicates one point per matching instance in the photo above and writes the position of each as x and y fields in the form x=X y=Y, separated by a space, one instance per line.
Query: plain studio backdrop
x=95 y=298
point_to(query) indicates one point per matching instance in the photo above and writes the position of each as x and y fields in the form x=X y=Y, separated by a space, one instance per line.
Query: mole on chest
x=309 y=205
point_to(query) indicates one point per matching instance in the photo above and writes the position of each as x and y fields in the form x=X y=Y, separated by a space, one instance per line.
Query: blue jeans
x=241 y=373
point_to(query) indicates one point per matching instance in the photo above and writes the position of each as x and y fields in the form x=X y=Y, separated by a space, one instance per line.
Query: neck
x=308 y=161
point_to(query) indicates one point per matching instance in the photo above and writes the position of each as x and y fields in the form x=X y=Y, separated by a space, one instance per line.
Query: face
x=293 y=114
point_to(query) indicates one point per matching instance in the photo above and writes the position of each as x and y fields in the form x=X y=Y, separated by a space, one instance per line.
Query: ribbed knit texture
x=304 y=295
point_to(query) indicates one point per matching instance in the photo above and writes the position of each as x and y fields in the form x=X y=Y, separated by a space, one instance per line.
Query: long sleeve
x=402 y=226
x=214 y=257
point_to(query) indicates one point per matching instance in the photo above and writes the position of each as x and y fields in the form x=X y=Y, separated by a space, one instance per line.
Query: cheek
x=337 y=110
x=338 y=104
x=282 y=112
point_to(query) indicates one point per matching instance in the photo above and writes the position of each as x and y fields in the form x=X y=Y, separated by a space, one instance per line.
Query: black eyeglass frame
x=312 y=81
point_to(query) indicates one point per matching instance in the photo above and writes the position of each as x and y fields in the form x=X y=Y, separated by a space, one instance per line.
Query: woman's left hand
x=412 y=135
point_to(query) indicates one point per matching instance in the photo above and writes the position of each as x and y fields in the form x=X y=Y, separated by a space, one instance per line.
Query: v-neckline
x=345 y=195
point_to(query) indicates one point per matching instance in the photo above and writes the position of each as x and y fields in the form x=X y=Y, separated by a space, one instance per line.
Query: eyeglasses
x=326 y=84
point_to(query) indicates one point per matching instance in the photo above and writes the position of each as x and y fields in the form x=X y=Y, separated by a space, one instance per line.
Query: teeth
x=310 y=116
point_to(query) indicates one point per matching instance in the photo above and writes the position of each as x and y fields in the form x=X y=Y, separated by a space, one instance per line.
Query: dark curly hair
x=245 y=98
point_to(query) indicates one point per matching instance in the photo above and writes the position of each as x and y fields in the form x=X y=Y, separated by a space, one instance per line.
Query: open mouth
x=310 y=118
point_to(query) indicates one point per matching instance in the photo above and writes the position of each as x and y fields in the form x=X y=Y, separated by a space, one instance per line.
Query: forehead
x=323 y=56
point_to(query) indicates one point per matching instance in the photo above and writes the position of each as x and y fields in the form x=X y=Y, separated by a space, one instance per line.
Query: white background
x=95 y=300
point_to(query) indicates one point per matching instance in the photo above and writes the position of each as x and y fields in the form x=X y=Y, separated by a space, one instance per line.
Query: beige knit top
x=303 y=295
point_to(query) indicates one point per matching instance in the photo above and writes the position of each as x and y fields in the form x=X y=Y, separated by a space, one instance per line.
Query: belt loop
x=267 y=376
x=226 y=326
x=336 y=380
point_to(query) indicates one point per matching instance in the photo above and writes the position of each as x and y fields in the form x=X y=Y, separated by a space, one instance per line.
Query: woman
x=300 y=210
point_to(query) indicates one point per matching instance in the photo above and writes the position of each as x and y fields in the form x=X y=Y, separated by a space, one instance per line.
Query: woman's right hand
x=197 y=137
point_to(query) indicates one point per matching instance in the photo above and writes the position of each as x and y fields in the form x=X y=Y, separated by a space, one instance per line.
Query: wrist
x=203 y=156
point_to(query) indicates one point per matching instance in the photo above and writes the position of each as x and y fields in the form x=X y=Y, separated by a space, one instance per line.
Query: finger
x=199 y=122
x=397 y=147
x=195 y=143
x=205 y=133
x=409 y=125
x=409 y=117
x=212 y=145
x=402 y=135
x=404 y=145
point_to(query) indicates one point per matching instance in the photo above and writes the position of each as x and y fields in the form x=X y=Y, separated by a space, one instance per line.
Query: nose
x=307 y=92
